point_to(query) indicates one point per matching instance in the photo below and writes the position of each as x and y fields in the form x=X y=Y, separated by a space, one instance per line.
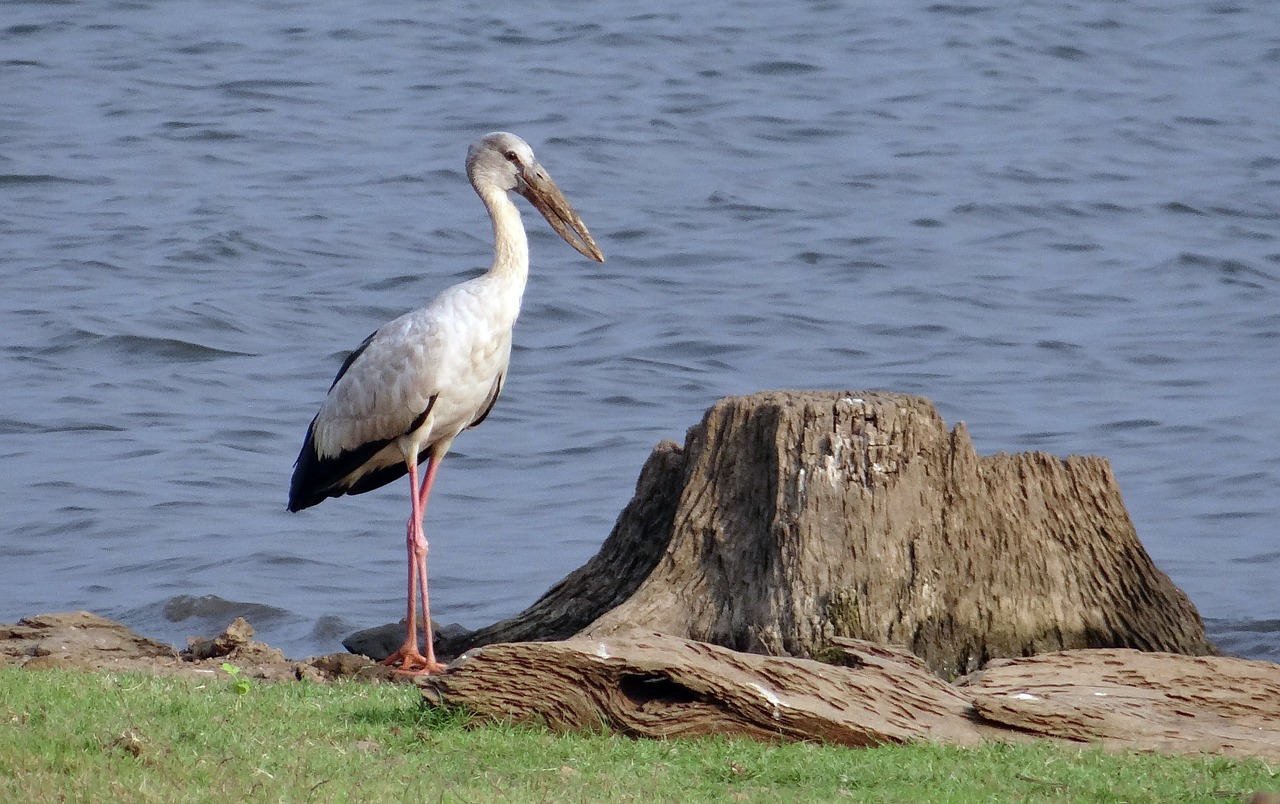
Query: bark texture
x=626 y=558
x=1122 y=698
x=655 y=685
x=789 y=519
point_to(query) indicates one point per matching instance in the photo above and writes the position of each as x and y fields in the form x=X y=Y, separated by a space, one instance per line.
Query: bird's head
x=505 y=162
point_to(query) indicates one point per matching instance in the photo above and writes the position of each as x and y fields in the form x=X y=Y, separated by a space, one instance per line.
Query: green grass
x=102 y=737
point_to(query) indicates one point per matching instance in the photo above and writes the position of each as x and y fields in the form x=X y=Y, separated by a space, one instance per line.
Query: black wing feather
x=316 y=479
x=493 y=400
x=351 y=358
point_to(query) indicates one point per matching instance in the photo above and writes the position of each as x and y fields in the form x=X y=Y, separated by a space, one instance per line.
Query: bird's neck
x=510 y=244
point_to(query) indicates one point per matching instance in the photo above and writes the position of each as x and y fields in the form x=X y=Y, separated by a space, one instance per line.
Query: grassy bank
x=103 y=737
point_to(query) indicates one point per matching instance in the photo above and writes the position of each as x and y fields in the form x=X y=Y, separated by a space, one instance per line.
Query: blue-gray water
x=1059 y=221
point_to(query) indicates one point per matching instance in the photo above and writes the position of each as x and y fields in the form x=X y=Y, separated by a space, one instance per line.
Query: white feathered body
x=447 y=360
x=456 y=349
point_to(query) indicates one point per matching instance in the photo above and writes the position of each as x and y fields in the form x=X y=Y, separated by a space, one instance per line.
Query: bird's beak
x=542 y=192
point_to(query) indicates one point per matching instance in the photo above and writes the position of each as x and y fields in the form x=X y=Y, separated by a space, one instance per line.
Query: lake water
x=1060 y=222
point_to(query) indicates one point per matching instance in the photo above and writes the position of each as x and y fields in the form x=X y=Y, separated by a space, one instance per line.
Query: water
x=1059 y=222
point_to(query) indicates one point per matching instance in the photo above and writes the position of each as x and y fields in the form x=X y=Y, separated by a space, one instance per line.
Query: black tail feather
x=316 y=479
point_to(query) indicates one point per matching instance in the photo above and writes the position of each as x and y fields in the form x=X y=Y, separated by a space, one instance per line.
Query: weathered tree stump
x=789 y=519
x=625 y=560
x=659 y=686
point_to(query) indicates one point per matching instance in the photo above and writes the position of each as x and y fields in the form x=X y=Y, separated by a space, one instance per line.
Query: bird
x=402 y=397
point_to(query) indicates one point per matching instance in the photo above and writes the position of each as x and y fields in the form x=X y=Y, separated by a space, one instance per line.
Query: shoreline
x=1120 y=699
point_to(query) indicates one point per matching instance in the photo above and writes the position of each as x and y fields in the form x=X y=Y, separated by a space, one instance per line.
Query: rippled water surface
x=1058 y=222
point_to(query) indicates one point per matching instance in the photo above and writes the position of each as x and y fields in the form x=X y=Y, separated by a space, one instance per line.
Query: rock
x=378 y=642
x=84 y=641
x=78 y=640
x=790 y=519
x=235 y=644
x=381 y=641
x=350 y=666
x=236 y=635
x=215 y=609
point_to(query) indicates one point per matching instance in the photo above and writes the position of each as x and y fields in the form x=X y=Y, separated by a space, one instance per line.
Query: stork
x=405 y=394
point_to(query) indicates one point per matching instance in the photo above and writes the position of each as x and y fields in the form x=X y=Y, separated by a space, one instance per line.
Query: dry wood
x=1125 y=698
x=789 y=519
x=660 y=686
x=625 y=559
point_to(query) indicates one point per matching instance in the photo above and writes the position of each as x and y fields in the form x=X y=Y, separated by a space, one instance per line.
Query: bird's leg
x=433 y=463
x=410 y=658
x=408 y=654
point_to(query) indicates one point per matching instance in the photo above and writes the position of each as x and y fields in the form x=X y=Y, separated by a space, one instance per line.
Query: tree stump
x=789 y=519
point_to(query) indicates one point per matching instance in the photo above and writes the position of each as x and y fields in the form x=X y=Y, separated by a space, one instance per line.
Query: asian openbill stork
x=405 y=393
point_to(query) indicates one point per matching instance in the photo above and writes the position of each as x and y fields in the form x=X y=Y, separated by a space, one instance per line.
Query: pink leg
x=433 y=463
x=410 y=659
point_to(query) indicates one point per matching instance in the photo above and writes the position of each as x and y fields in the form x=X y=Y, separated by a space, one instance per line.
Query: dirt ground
x=86 y=641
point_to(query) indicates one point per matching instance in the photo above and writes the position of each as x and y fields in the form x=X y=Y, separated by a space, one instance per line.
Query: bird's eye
x=512 y=157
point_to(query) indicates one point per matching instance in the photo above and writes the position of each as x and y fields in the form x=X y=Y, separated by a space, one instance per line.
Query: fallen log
x=790 y=519
x=1125 y=699
x=662 y=686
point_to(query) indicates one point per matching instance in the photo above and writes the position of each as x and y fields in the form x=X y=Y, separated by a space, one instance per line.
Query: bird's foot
x=410 y=662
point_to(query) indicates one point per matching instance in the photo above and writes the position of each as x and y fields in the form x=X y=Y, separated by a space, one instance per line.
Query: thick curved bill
x=546 y=197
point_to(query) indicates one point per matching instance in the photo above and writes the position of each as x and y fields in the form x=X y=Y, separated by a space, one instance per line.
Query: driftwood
x=1122 y=699
x=662 y=686
x=791 y=519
